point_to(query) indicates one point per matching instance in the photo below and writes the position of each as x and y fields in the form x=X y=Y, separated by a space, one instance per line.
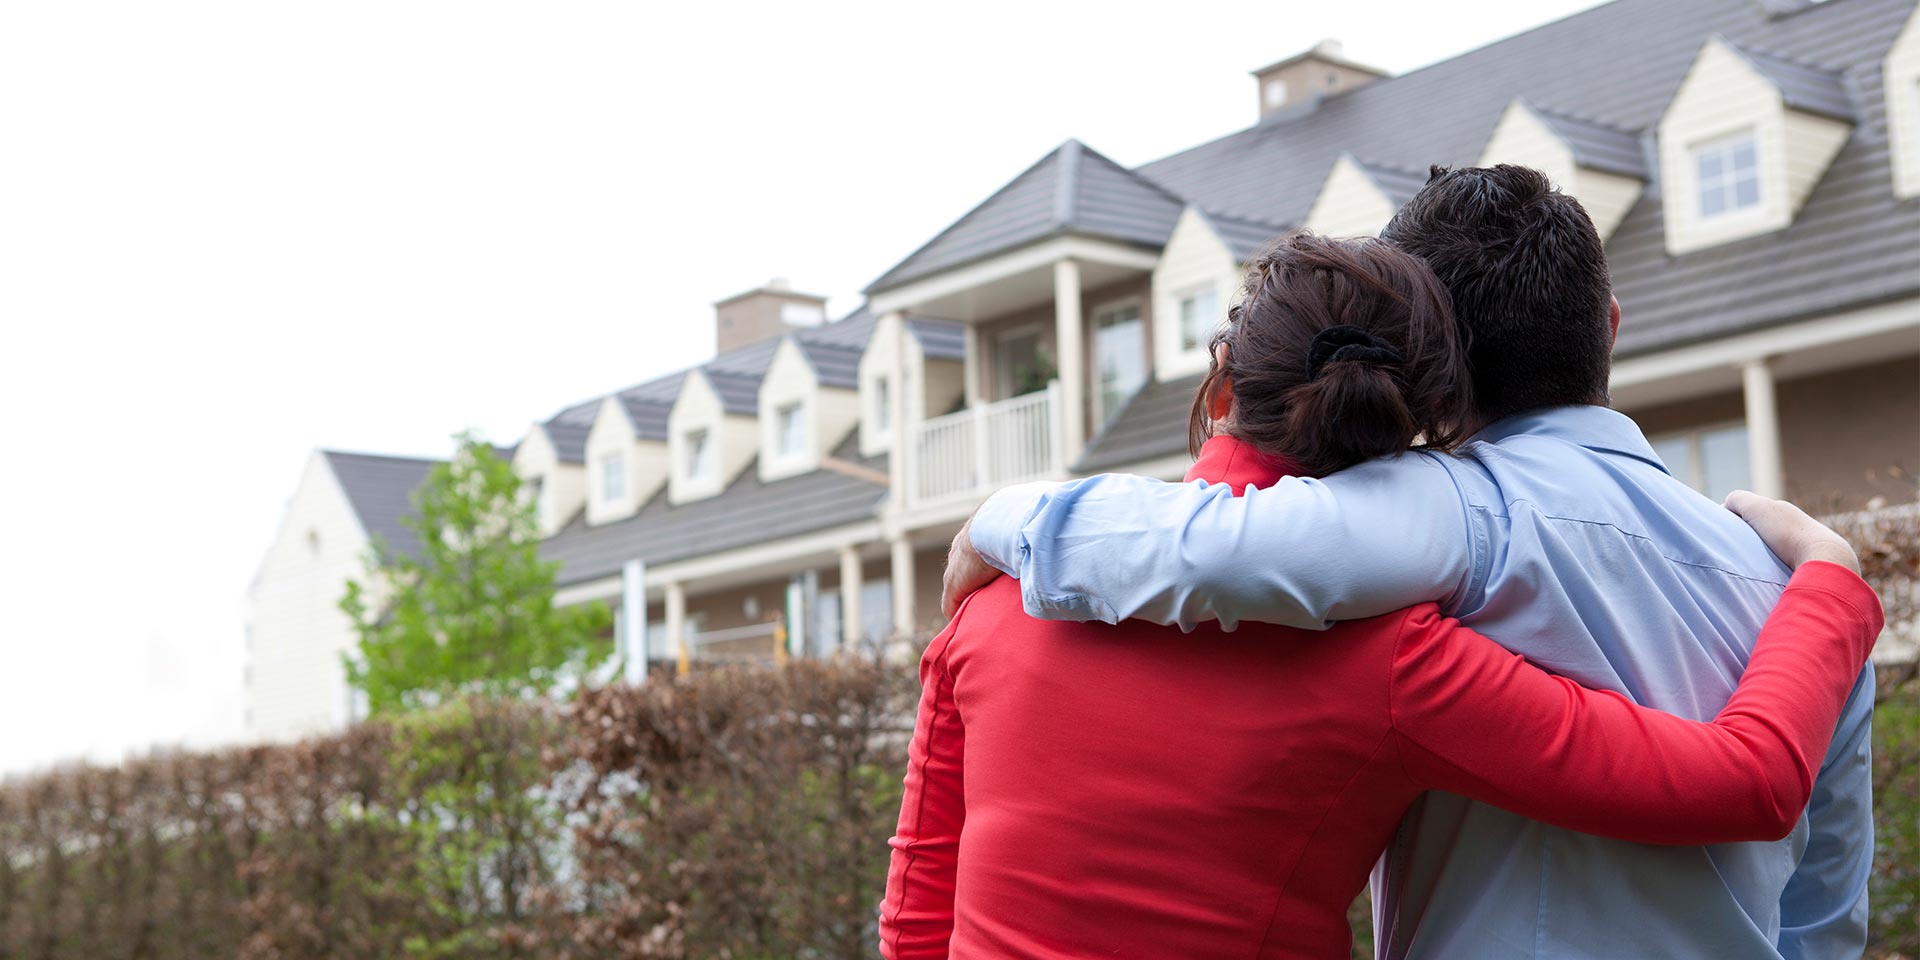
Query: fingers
x=1744 y=502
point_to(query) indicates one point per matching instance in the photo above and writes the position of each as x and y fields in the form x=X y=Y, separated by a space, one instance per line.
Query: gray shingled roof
x=649 y=416
x=1803 y=86
x=1073 y=189
x=747 y=513
x=939 y=340
x=569 y=439
x=1596 y=145
x=380 y=491
x=1397 y=183
x=1152 y=424
x=1852 y=244
x=833 y=364
x=1245 y=239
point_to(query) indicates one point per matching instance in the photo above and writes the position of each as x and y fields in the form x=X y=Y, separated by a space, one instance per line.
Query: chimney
x=765 y=311
x=1294 y=86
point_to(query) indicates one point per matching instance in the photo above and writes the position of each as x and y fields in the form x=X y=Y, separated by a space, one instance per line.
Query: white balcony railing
x=981 y=449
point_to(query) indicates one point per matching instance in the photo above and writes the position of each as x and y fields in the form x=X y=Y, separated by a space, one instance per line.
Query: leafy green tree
x=474 y=611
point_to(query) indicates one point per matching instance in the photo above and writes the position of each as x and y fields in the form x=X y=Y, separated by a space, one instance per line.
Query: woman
x=1085 y=789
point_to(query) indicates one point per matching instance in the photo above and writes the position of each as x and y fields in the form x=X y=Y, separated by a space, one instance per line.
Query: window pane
x=1712 y=201
x=1709 y=165
x=1723 y=455
x=793 y=430
x=1197 y=318
x=613 y=476
x=882 y=405
x=1745 y=156
x=1746 y=192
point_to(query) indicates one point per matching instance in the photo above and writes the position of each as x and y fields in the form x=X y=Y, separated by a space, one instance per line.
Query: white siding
x=645 y=462
x=1349 y=204
x=297 y=633
x=735 y=439
x=1722 y=95
x=1901 y=74
x=1522 y=138
x=829 y=412
x=1194 y=257
x=933 y=387
x=563 y=485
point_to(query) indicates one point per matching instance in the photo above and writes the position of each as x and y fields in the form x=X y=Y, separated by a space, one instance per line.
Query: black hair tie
x=1345 y=342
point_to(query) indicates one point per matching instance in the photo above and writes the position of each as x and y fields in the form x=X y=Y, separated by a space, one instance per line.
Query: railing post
x=983 y=474
x=1056 y=429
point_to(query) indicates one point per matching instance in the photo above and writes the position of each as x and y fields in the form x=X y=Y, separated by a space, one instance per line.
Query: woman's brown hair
x=1338 y=351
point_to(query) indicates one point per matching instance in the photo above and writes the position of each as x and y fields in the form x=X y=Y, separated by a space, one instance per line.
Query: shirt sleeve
x=916 y=917
x=1367 y=541
x=1823 y=911
x=1477 y=720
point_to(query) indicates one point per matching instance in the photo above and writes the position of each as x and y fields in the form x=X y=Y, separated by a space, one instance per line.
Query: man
x=1556 y=531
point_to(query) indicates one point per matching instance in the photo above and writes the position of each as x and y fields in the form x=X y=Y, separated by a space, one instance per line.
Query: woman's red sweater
x=1095 y=790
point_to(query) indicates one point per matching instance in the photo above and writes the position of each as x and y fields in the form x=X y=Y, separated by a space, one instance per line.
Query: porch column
x=897 y=472
x=677 y=627
x=902 y=588
x=633 y=622
x=1070 y=344
x=976 y=390
x=1763 y=428
x=850 y=585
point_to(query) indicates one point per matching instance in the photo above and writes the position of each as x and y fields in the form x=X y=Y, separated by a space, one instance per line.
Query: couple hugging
x=1425 y=610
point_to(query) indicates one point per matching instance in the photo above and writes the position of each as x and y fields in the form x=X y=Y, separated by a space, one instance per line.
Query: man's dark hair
x=1528 y=278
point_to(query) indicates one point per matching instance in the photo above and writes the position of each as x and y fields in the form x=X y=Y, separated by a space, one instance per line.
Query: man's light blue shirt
x=1561 y=535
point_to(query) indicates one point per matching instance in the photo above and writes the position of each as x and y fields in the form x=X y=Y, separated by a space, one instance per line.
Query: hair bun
x=1343 y=342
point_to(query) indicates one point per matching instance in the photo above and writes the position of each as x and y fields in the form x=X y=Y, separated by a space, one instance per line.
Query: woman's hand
x=1793 y=536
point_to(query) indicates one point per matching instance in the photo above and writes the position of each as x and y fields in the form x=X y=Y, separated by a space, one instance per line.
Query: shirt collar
x=1238 y=464
x=1593 y=427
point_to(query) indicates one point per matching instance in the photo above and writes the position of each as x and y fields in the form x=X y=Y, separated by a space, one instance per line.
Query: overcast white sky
x=233 y=232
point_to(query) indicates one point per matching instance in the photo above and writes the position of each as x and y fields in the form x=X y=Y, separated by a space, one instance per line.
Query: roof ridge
x=399 y=457
x=976 y=208
x=1765 y=54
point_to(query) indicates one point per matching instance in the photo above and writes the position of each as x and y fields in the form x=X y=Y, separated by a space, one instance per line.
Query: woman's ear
x=1220 y=400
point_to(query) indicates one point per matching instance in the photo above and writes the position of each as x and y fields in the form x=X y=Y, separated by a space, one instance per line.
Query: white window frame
x=790 y=427
x=1725 y=184
x=1139 y=306
x=1693 y=473
x=697 y=450
x=613 y=476
x=1180 y=299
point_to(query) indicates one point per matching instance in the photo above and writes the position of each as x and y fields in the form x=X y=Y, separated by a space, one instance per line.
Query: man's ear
x=1613 y=320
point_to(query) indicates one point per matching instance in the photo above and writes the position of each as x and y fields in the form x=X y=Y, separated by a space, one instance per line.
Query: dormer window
x=1199 y=315
x=613 y=477
x=1729 y=174
x=791 y=426
x=699 y=465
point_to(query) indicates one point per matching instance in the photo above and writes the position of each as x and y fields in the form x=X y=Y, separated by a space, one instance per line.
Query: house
x=1754 y=166
x=296 y=632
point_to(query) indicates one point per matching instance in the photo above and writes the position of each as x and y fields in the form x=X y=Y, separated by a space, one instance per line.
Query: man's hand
x=966 y=572
x=1793 y=536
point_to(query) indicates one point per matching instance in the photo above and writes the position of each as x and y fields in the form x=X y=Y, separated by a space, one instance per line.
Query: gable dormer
x=551 y=464
x=1743 y=143
x=808 y=401
x=1604 y=167
x=1196 y=279
x=935 y=366
x=711 y=433
x=626 y=457
x=1900 y=76
x=1358 y=198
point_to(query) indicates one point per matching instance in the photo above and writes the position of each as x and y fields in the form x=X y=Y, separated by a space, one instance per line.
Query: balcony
x=969 y=454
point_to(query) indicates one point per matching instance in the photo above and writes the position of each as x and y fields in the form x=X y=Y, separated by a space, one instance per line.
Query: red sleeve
x=916 y=918
x=1478 y=720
